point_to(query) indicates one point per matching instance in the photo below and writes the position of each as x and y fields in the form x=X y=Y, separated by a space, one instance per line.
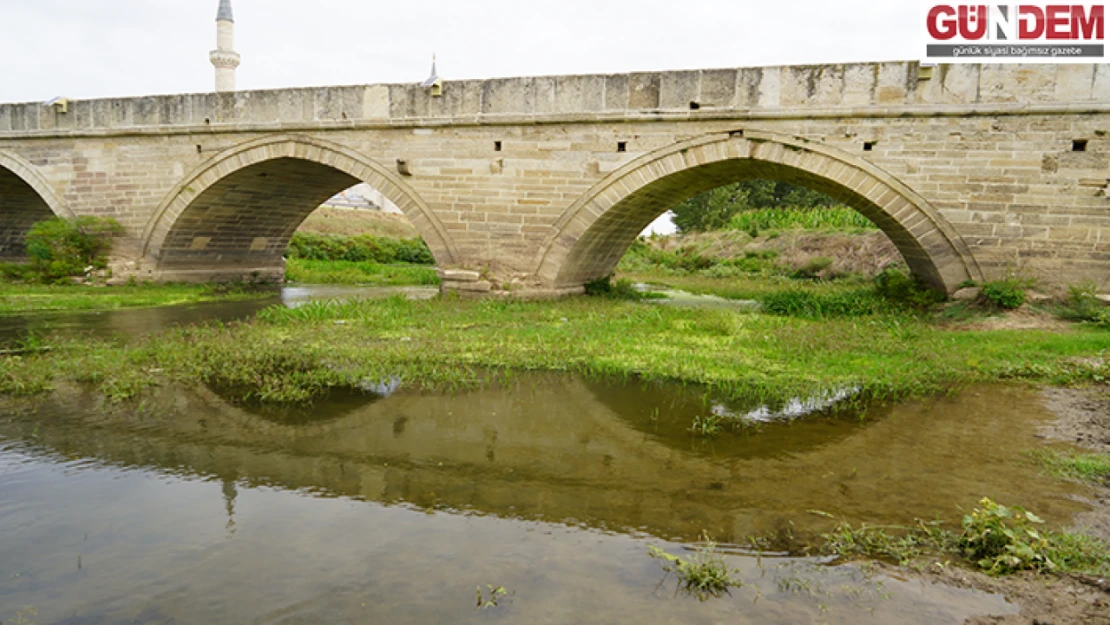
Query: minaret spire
x=224 y=57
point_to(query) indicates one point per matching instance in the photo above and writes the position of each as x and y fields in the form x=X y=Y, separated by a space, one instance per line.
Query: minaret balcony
x=225 y=59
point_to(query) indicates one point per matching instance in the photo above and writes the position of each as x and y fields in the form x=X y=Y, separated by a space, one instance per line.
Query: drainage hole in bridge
x=1079 y=145
x=622 y=146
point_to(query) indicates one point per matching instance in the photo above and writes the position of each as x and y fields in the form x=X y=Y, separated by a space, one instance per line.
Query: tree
x=714 y=209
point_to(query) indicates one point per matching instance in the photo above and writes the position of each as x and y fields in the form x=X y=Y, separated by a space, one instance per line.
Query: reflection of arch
x=241 y=206
x=593 y=234
x=25 y=198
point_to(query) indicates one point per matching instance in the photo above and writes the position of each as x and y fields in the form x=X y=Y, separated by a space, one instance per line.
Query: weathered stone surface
x=967 y=294
x=459 y=275
x=468 y=287
x=974 y=172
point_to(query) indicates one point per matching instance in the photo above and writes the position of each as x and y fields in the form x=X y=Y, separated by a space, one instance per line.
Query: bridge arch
x=25 y=199
x=234 y=215
x=590 y=238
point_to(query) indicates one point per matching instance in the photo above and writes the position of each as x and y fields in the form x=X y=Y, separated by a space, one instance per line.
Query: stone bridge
x=538 y=185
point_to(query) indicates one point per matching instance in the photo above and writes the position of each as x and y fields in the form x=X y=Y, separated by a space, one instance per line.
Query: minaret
x=224 y=57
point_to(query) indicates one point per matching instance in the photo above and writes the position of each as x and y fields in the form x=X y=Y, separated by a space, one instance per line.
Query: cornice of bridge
x=851 y=91
x=495 y=120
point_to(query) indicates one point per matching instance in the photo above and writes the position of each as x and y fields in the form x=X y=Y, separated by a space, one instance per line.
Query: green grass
x=23 y=298
x=367 y=273
x=836 y=218
x=298 y=355
x=1092 y=468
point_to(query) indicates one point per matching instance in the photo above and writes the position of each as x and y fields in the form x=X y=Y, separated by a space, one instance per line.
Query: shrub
x=621 y=289
x=1083 y=304
x=1003 y=540
x=900 y=288
x=61 y=248
x=1008 y=294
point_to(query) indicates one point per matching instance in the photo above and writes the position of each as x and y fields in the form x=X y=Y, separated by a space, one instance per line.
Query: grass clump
x=1092 y=468
x=895 y=544
x=704 y=575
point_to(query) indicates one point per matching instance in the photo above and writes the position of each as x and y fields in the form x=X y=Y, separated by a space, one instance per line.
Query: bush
x=621 y=289
x=1083 y=304
x=358 y=249
x=1008 y=294
x=62 y=248
x=898 y=287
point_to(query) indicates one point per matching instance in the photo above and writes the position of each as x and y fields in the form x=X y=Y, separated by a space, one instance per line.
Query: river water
x=396 y=508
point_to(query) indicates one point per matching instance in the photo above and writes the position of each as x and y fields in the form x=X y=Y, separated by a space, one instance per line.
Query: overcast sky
x=103 y=48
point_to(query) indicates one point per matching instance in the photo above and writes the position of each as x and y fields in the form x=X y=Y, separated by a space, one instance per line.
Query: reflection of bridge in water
x=558 y=449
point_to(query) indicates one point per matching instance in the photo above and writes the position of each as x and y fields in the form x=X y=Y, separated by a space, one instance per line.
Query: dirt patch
x=1021 y=319
x=350 y=222
x=1067 y=600
x=1083 y=417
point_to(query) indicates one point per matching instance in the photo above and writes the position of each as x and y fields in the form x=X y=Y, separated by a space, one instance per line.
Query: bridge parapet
x=845 y=90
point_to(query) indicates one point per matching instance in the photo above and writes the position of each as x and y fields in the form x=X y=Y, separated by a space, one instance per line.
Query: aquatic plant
x=705 y=574
x=491 y=597
x=708 y=426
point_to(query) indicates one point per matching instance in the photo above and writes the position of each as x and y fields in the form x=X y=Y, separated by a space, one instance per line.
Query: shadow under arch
x=590 y=238
x=235 y=214
x=25 y=199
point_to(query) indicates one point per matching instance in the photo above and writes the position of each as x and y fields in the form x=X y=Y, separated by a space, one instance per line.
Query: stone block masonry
x=537 y=185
